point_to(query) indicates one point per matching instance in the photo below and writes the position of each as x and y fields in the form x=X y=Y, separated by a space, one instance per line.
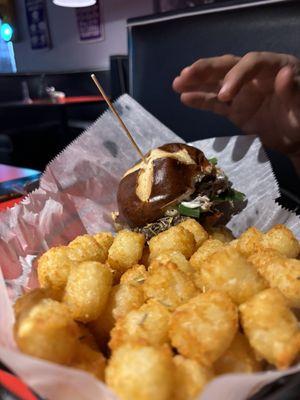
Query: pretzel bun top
x=168 y=176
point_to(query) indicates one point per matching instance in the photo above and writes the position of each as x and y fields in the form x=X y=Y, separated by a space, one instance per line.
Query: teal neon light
x=6 y=32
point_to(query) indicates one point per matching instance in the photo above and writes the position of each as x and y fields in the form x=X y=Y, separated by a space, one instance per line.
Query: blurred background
x=49 y=48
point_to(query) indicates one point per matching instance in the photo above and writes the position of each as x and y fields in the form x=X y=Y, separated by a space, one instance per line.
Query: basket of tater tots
x=172 y=277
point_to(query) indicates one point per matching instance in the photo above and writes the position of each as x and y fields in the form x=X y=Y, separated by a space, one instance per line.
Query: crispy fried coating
x=176 y=258
x=87 y=290
x=85 y=248
x=30 y=299
x=234 y=244
x=271 y=327
x=104 y=240
x=204 y=327
x=54 y=267
x=282 y=239
x=190 y=378
x=280 y=272
x=239 y=358
x=209 y=247
x=176 y=238
x=250 y=241
x=47 y=330
x=147 y=325
x=89 y=360
x=200 y=234
x=122 y=299
x=229 y=271
x=135 y=275
x=126 y=250
x=197 y=279
x=221 y=233
x=141 y=373
x=168 y=285
x=279 y=238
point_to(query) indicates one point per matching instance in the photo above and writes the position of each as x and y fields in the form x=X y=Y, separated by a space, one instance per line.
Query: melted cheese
x=146 y=170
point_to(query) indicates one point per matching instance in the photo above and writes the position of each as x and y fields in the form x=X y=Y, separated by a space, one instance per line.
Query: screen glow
x=74 y=3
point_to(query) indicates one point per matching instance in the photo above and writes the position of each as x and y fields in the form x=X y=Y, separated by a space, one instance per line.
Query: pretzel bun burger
x=174 y=182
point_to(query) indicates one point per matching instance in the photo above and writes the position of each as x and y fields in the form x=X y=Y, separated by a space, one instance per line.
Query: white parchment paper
x=77 y=194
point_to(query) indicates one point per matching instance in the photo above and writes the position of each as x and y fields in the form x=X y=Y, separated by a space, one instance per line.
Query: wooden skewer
x=114 y=111
x=168 y=204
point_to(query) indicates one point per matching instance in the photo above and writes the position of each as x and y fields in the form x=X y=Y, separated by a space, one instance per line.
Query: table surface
x=10 y=203
x=71 y=100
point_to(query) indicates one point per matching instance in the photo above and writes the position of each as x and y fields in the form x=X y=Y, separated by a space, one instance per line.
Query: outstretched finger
x=205 y=101
x=287 y=86
x=204 y=71
x=252 y=65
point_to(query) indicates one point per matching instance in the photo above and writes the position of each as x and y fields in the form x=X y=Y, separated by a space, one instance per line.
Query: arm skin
x=260 y=93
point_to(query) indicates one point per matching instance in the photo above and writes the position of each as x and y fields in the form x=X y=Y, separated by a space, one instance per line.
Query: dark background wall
x=68 y=53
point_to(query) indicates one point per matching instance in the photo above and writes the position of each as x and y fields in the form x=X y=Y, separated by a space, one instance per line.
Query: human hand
x=260 y=93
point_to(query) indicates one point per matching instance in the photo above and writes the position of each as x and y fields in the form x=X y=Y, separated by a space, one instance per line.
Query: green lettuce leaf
x=213 y=160
x=189 y=212
x=234 y=195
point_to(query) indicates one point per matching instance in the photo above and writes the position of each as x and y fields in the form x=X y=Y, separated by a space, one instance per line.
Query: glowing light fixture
x=75 y=3
x=6 y=32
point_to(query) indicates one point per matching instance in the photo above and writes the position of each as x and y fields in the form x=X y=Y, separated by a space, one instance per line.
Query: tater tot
x=147 y=325
x=54 y=267
x=204 y=327
x=239 y=358
x=30 y=299
x=126 y=297
x=87 y=290
x=200 y=234
x=250 y=241
x=281 y=272
x=209 y=247
x=135 y=275
x=122 y=299
x=104 y=240
x=280 y=238
x=126 y=250
x=141 y=373
x=85 y=248
x=176 y=258
x=89 y=360
x=197 y=279
x=47 y=331
x=190 y=378
x=221 y=233
x=234 y=244
x=228 y=271
x=176 y=238
x=271 y=327
x=168 y=285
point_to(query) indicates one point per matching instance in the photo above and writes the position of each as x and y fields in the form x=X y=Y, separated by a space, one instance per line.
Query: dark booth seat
x=159 y=47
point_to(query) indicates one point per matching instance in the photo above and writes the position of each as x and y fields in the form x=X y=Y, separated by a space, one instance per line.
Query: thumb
x=287 y=85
